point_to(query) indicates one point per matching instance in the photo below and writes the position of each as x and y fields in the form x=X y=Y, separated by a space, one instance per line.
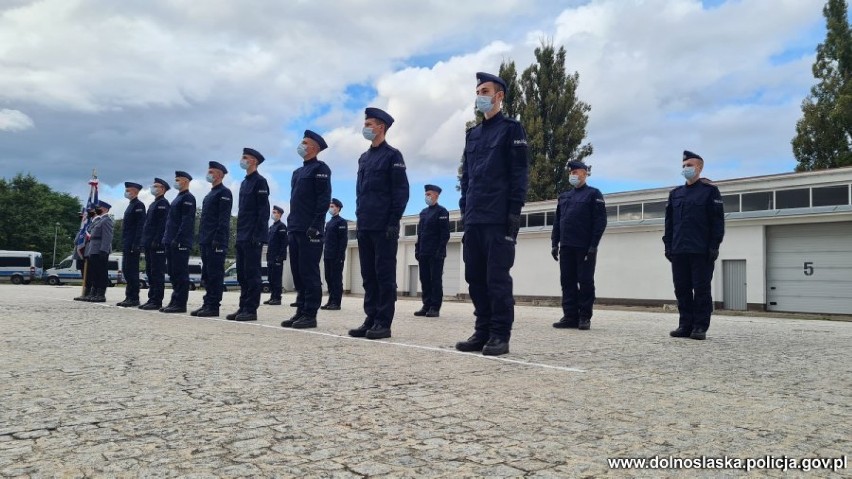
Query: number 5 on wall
x=809 y=268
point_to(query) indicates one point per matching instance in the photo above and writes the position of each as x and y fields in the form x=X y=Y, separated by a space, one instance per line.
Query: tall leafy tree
x=824 y=133
x=544 y=99
x=31 y=213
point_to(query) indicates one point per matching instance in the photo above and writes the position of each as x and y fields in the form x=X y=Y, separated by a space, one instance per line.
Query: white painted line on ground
x=338 y=336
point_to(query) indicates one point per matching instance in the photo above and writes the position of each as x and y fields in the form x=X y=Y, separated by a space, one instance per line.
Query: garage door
x=809 y=268
x=356 y=284
x=452 y=270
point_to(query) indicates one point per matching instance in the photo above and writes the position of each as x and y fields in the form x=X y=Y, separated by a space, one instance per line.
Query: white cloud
x=14 y=120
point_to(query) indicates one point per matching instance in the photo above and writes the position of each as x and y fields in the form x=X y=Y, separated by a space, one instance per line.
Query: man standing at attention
x=695 y=227
x=381 y=193
x=433 y=233
x=493 y=190
x=252 y=219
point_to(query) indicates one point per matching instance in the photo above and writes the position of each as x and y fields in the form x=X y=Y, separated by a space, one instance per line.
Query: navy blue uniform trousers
x=488 y=257
x=431 y=281
x=377 y=253
x=178 y=268
x=212 y=275
x=248 y=275
x=305 y=254
x=275 y=275
x=692 y=275
x=130 y=269
x=577 y=276
x=333 y=269
x=155 y=269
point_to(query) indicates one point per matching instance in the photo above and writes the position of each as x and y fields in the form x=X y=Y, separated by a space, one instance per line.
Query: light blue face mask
x=128 y=195
x=176 y=185
x=688 y=172
x=429 y=201
x=302 y=150
x=331 y=211
x=210 y=177
x=574 y=180
x=155 y=190
x=368 y=133
x=244 y=164
x=483 y=104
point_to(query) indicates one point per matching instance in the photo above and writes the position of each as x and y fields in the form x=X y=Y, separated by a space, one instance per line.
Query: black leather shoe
x=195 y=312
x=150 y=306
x=305 y=322
x=293 y=305
x=232 y=316
x=495 y=347
x=129 y=303
x=121 y=304
x=288 y=323
x=85 y=295
x=173 y=309
x=584 y=324
x=698 y=333
x=246 y=317
x=565 y=323
x=208 y=313
x=473 y=343
x=333 y=307
x=680 y=333
x=360 y=331
x=99 y=296
x=433 y=313
x=421 y=312
x=325 y=306
x=378 y=332
x=273 y=302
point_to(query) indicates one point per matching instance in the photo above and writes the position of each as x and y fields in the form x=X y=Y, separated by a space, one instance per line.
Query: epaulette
x=707 y=181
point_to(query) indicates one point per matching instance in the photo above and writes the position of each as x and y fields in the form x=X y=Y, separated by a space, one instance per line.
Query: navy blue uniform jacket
x=495 y=172
x=381 y=191
x=180 y=226
x=695 y=219
x=155 y=223
x=253 y=213
x=216 y=217
x=580 y=218
x=310 y=194
x=133 y=224
x=336 y=239
x=277 y=238
x=433 y=232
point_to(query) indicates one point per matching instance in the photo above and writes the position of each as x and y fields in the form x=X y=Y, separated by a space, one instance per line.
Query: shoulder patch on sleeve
x=519 y=142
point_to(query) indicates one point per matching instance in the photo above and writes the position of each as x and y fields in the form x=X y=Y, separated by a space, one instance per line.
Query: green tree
x=545 y=101
x=31 y=214
x=824 y=133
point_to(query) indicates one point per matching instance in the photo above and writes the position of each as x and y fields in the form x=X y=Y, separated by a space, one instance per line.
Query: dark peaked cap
x=482 y=77
x=379 y=115
x=317 y=138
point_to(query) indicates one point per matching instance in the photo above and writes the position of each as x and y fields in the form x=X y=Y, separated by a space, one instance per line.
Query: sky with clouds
x=141 y=88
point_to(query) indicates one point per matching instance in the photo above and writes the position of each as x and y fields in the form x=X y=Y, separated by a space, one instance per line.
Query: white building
x=787 y=247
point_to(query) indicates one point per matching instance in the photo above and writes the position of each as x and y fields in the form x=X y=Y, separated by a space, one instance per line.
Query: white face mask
x=429 y=200
x=244 y=163
x=369 y=133
x=155 y=190
x=574 y=180
x=688 y=172
x=484 y=103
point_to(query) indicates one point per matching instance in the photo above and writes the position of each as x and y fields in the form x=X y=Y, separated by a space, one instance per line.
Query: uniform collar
x=383 y=143
x=493 y=119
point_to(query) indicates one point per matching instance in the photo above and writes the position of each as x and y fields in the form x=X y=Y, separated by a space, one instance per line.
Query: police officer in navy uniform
x=80 y=256
x=179 y=238
x=213 y=235
x=310 y=192
x=252 y=221
x=131 y=243
x=493 y=191
x=334 y=254
x=276 y=254
x=152 y=241
x=381 y=193
x=433 y=233
x=695 y=227
x=97 y=251
x=577 y=230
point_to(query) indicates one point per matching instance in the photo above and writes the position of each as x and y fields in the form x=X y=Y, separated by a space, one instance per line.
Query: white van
x=66 y=272
x=231 y=277
x=194 y=274
x=21 y=267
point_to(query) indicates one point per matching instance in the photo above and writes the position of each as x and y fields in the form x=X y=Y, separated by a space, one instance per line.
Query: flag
x=85 y=221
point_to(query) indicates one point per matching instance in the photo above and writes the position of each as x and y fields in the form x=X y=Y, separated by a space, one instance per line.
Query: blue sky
x=148 y=87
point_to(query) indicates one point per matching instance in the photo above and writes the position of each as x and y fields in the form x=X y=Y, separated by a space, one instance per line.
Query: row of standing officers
x=494 y=179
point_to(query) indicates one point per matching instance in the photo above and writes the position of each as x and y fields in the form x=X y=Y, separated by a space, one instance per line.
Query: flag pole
x=86 y=260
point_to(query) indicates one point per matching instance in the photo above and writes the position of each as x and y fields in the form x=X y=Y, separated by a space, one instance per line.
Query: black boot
x=208 y=313
x=680 y=332
x=698 y=333
x=288 y=323
x=360 y=331
x=422 y=311
x=432 y=313
x=150 y=306
x=98 y=296
x=305 y=322
x=85 y=295
x=378 y=332
x=473 y=343
x=495 y=347
x=584 y=324
x=566 y=323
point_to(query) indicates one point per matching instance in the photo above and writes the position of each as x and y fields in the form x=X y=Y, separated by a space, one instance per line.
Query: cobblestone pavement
x=96 y=391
